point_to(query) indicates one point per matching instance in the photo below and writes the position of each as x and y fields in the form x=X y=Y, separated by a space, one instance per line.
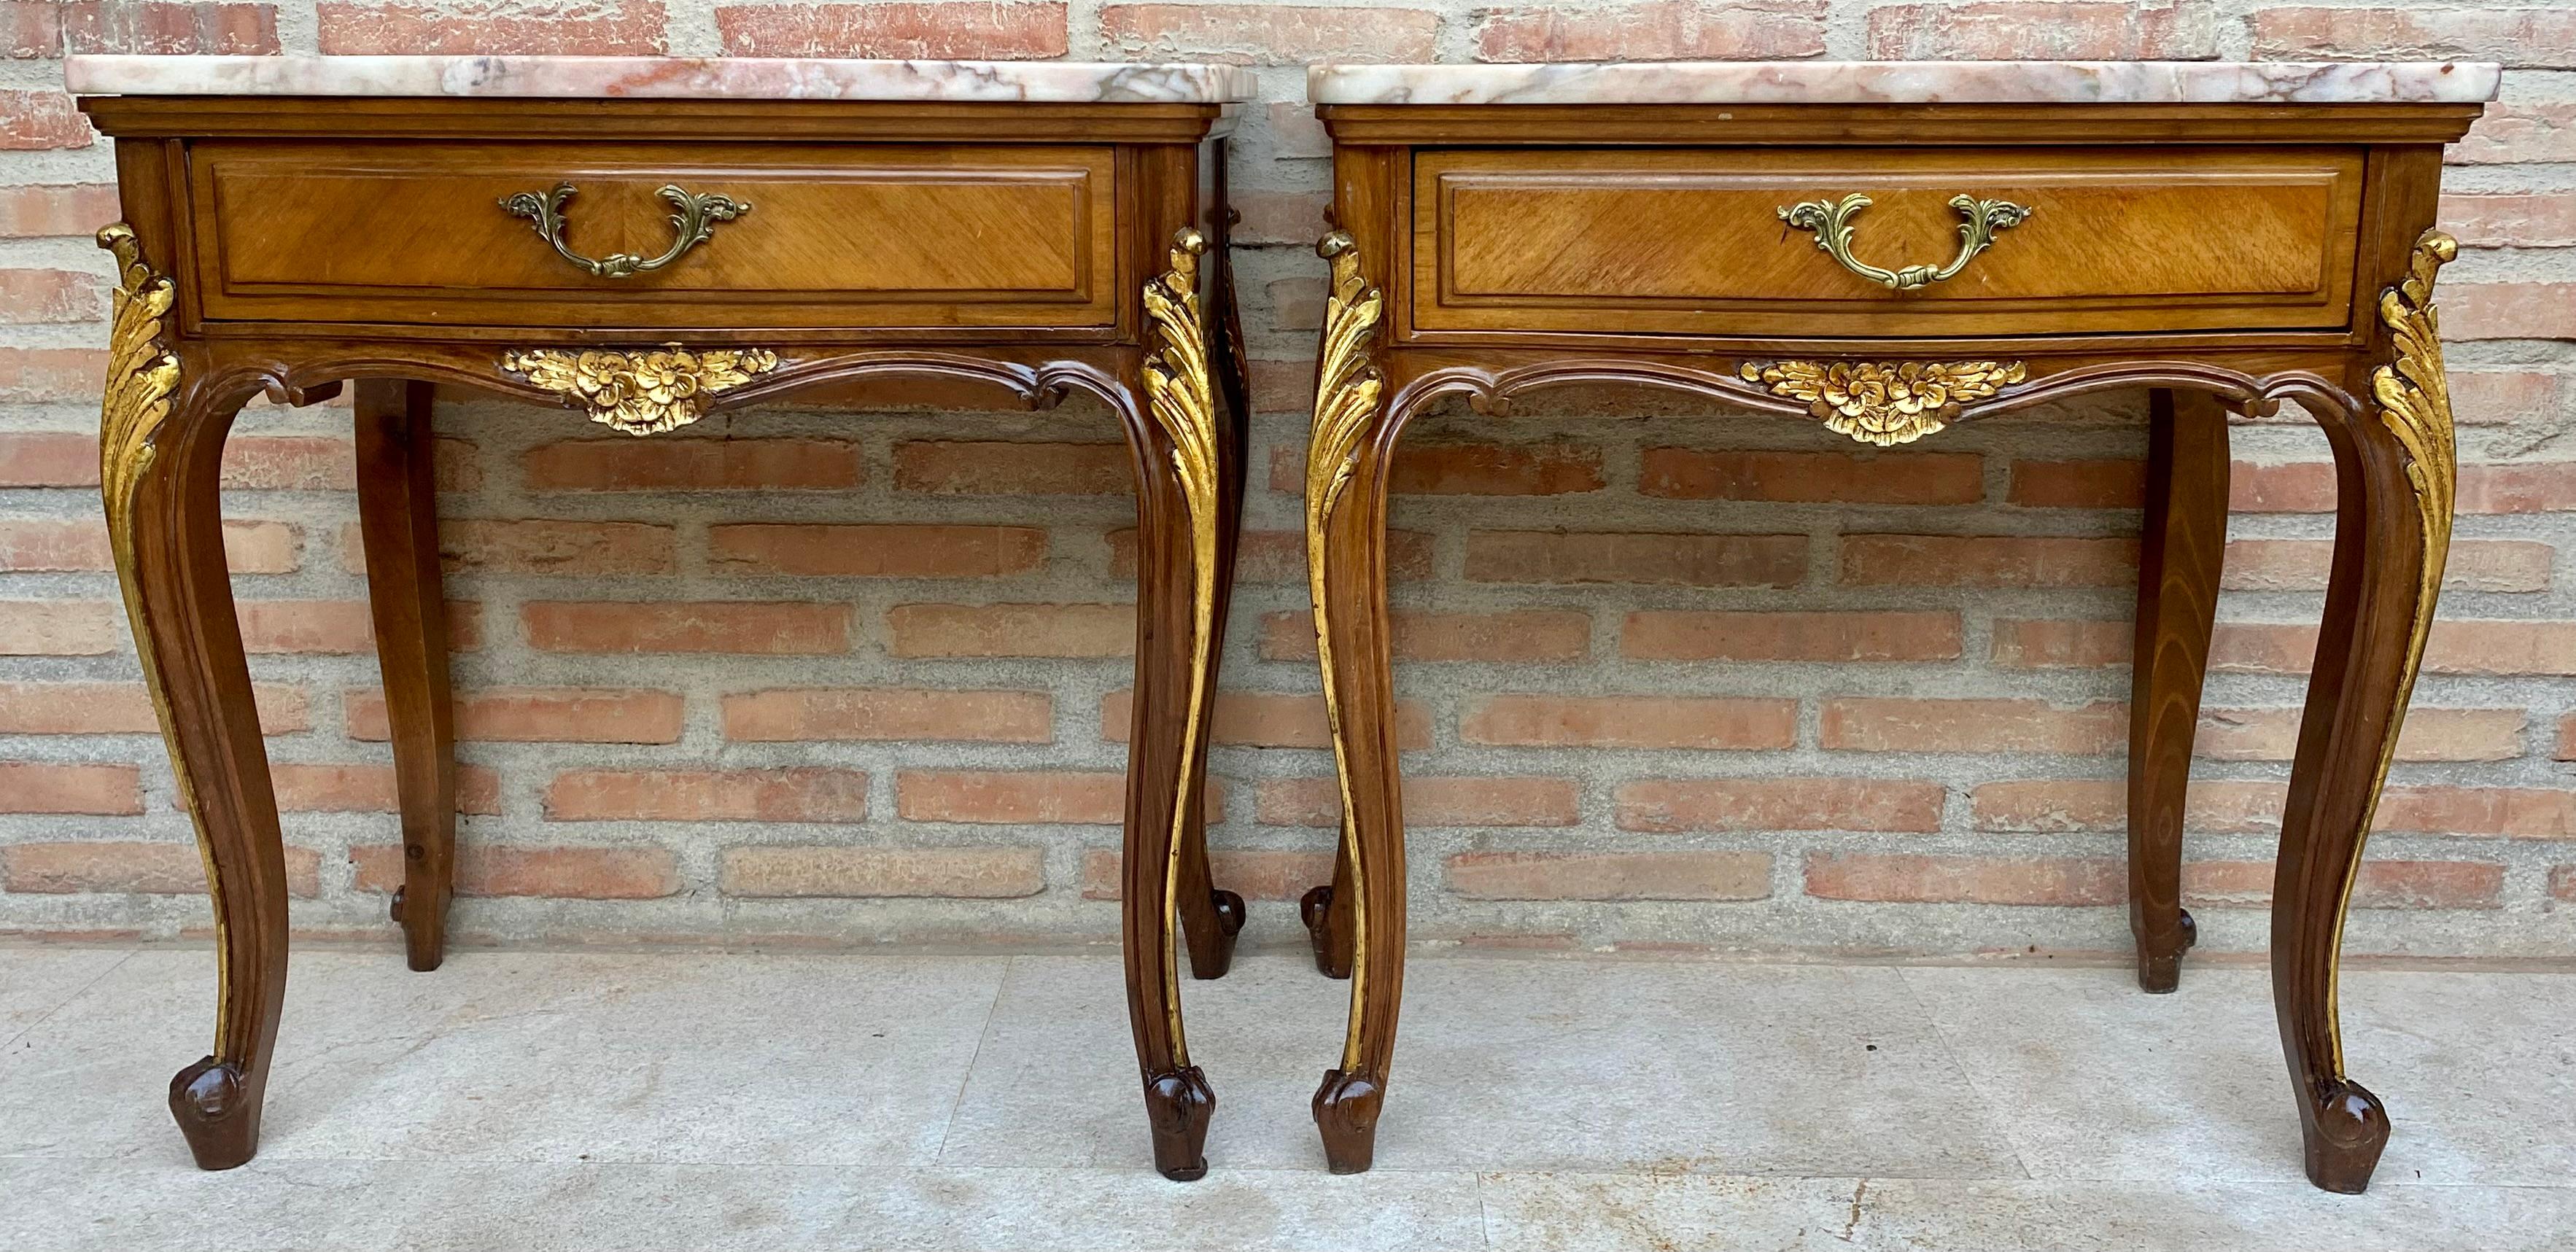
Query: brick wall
x=1673 y=677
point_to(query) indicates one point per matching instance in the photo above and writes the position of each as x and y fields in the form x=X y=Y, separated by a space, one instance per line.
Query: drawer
x=837 y=235
x=1692 y=242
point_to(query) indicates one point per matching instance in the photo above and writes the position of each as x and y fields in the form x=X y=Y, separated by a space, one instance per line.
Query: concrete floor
x=530 y=1100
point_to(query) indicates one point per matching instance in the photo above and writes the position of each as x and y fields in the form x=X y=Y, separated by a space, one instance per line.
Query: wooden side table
x=294 y=222
x=1889 y=248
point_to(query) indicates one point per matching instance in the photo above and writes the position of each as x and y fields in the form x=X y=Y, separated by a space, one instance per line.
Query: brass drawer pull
x=1832 y=222
x=695 y=222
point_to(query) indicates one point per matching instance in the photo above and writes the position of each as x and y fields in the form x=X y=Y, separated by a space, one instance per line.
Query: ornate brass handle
x=695 y=222
x=1832 y=222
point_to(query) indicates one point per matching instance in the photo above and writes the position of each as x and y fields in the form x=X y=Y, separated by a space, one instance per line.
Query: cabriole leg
x=161 y=437
x=2180 y=552
x=1177 y=524
x=2394 y=468
x=1346 y=572
x=398 y=518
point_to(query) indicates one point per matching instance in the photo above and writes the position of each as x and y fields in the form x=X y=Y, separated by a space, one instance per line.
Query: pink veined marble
x=1911 y=82
x=750 y=78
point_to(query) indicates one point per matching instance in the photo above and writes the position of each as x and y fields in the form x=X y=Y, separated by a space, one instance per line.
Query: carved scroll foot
x=217 y=1107
x=1178 y=1105
x=1226 y=913
x=1346 y=1109
x=2346 y=1127
x=1332 y=958
x=2160 y=969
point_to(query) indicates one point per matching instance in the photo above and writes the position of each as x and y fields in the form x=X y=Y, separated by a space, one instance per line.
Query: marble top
x=746 y=78
x=1911 y=82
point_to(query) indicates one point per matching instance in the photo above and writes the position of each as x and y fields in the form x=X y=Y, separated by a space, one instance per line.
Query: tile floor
x=657 y=1101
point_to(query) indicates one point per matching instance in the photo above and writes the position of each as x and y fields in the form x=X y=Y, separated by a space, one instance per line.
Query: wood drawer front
x=837 y=235
x=1690 y=241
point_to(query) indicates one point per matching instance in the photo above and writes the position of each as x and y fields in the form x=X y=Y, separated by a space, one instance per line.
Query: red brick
x=38 y=375
x=1696 y=635
x=1910 y=879
x=2303 y=564
x=1987 y=561
x=837 y=872
x=1522 y=636
x=289 y=463
x=539 y=715
x=2499 y=397
x=694 y=464
x=2515 y=813
x=2530 y=487
x=1293 y=219
x=48 y=459
x=1296 y=304
x=1252 y=874
x=61 y=628
x=1267 y=34
x=567 y=873
x=1279 y=556
x=949 y=30
x=1540 y=556
x=2078 y=484
x=62 y=787
x=1675 y=805
x=2509 y=311
x=707 y=795
x=1429 y=802
x=2567 y=738
x=35 y=545
x=2430 y=734
x=125 y=708
x=41 y=119
x=1067 y=630
x=352 y=787
x=330 y=627
x=2053 y=644
x=1813 y=477
x=123 y=867
x=1554 y=721
x=799 y=714
x=2516 y=131
x=51 y=296
x=66 y=210
x=543 y=27
x=1295 y=131
x=169 y=29
x=1021 y=797
x=2294 y=487
x=1720 y=875
x=2473 y=647
x=2263 y=648
x=547 y=546
x=1017 y=469
x=2060 y=806
x=2540 y=36
x=1654 y=30
x=771 y=628
x=2510 y=219
x=456 y=465
x=1979 y=726
x=1263 y=719
x=2380 y=885
x=2072 y=30
x=1469 y=469
x=876 y=551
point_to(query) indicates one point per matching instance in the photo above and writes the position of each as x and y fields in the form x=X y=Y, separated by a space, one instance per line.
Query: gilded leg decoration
x=2393 y=534
x=1179 y=397
x=1348 y=391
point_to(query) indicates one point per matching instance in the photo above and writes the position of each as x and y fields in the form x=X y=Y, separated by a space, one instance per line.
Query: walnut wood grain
x=398 y=526
x=1000 y=249
x=1612 y=247
x=2181 y=549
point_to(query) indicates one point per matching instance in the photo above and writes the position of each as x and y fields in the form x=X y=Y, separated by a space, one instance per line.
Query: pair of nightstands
x=1885 y=248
